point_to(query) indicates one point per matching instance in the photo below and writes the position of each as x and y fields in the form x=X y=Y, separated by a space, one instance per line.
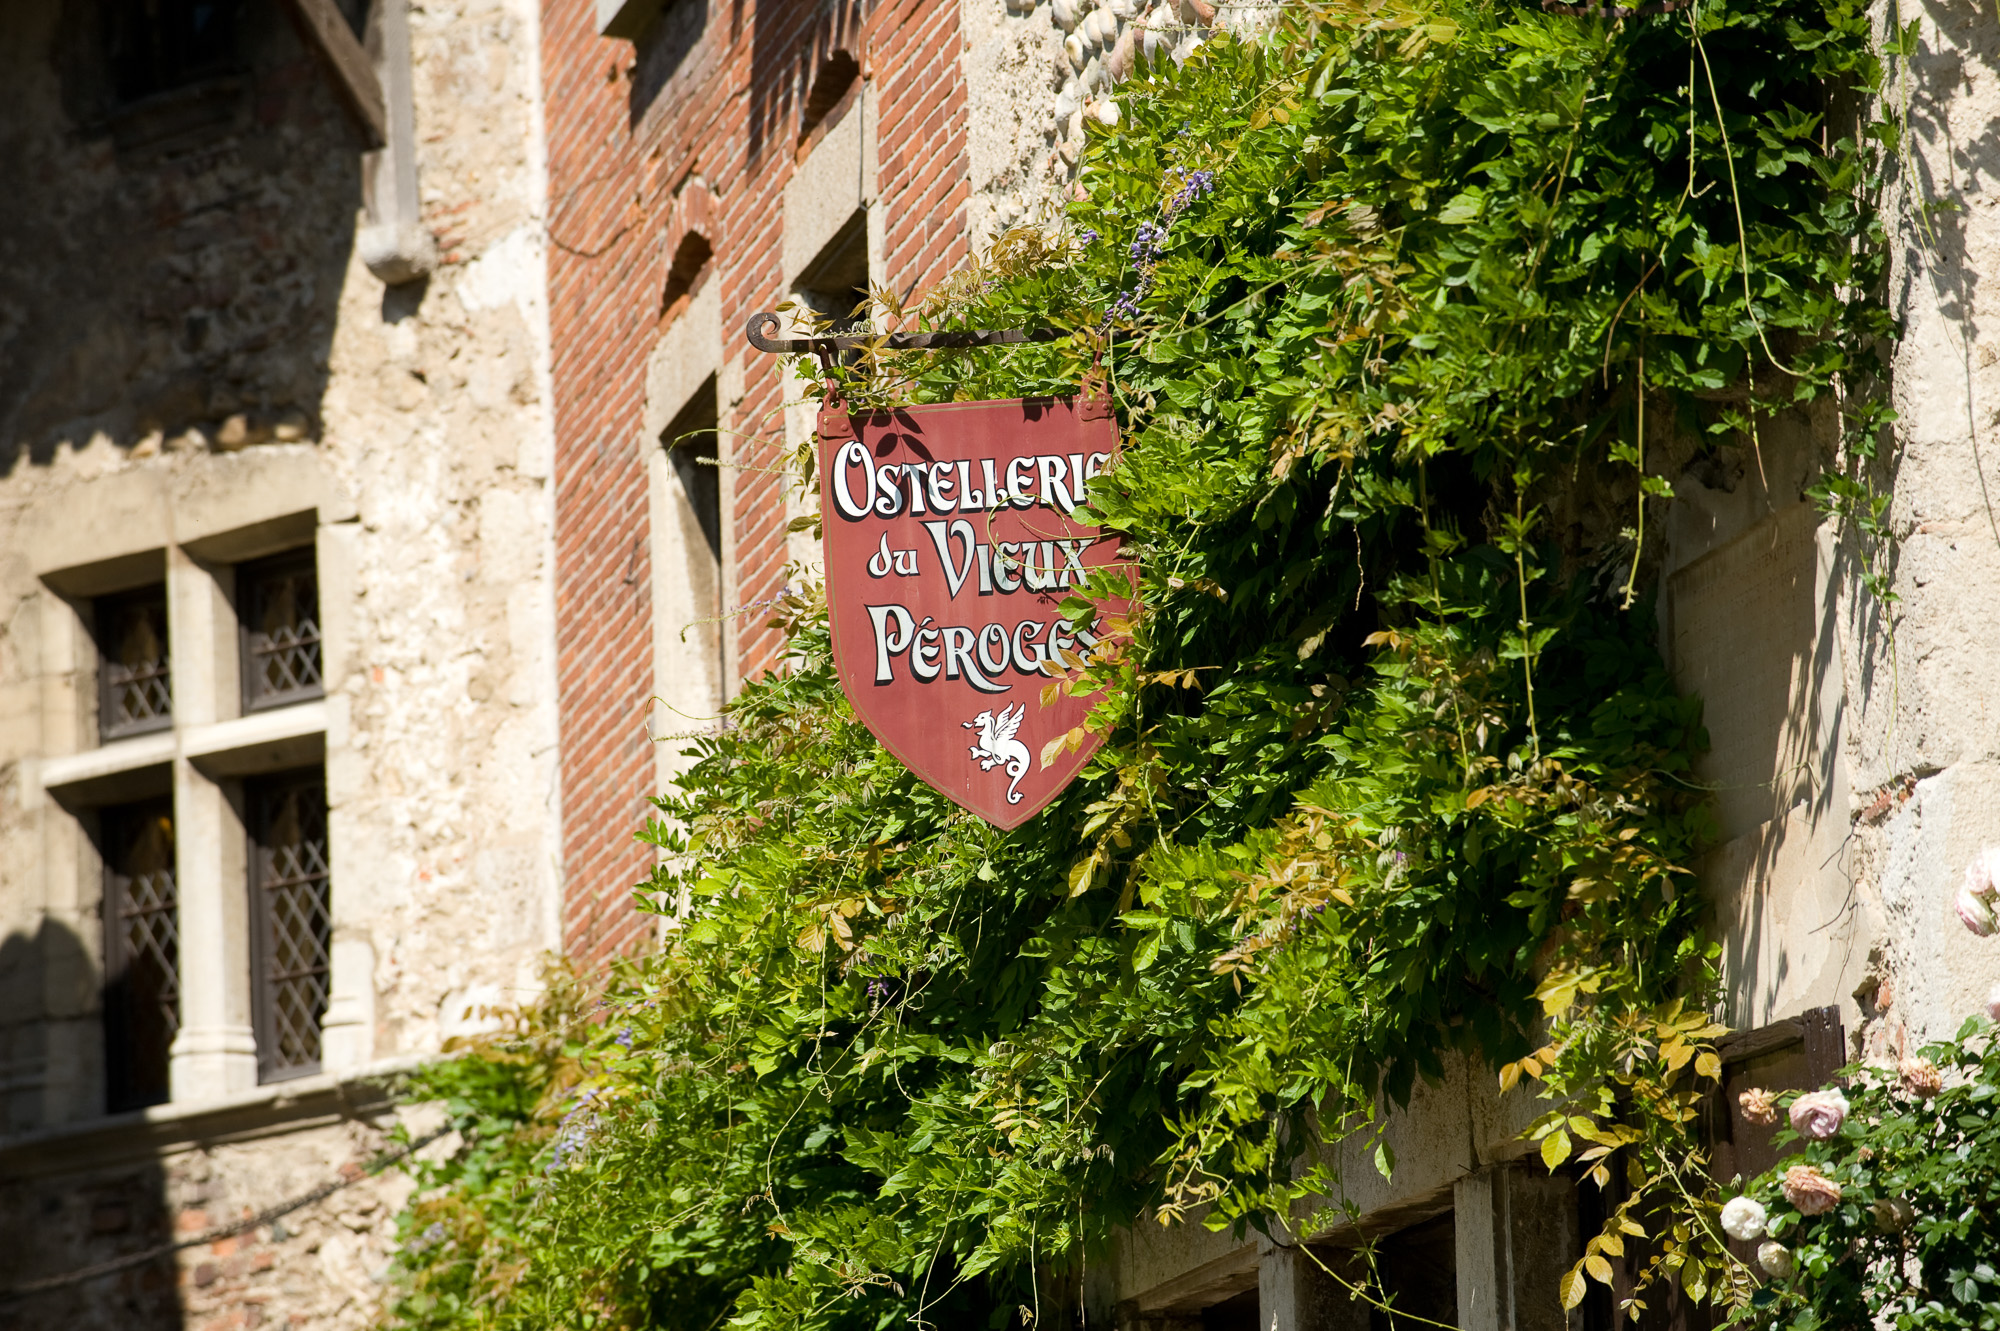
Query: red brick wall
x=729 y=116
x=923 y=180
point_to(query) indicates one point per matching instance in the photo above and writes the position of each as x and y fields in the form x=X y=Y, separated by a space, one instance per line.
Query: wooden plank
x=1741 y=1045
x=1826 y=1045
x=353 y=72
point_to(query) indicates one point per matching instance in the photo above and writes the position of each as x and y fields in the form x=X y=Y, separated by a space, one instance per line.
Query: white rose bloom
x=1775 y=1258
x=1743 y=1219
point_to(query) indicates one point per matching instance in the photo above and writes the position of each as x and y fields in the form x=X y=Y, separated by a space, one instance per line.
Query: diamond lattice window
x=290 y=888
x=278 y=600
x=134 y=672
x=141 y=951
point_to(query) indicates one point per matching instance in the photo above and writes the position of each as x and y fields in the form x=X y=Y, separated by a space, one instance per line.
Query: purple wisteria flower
x=1147 y=244
x=1194 y=184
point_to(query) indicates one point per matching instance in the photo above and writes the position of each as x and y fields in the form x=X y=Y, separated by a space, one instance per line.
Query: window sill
x=144 y=1134
x=266 y=741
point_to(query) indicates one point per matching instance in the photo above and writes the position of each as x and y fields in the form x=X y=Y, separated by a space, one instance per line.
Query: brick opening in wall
x=686 y=275
x=692 y=444
x=835 y=284
x=835 y=85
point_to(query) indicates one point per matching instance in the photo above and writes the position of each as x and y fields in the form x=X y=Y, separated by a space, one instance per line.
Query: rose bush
x=1893 y=1218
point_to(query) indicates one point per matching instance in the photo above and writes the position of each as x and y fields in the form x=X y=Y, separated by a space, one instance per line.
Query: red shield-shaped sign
x=949 y=546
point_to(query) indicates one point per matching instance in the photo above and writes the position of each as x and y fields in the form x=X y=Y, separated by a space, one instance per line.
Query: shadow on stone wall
x=57 y=1224
x=173 y=261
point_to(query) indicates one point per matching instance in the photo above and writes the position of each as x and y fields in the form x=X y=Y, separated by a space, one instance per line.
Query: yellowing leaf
x=1572 y=1287
x=1555 y=1149
x=1600 y=1270
x=1706 y=1064
x=1509 y=1075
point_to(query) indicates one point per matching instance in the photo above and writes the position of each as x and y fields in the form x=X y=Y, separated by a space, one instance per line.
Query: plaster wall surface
x=196 y=369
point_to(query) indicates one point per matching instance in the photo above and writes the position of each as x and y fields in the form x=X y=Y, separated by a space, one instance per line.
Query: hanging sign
x=950 y=544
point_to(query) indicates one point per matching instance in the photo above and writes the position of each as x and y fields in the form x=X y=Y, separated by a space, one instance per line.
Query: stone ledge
x=281 y=1107
x=261 y=741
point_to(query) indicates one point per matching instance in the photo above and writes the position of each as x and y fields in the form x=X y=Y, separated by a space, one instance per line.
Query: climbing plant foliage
x=1411 y=310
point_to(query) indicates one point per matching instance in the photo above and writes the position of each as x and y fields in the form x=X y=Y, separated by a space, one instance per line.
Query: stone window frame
x=212 y=750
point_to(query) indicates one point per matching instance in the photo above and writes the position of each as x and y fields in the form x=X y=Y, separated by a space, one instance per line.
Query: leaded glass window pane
x=278 y=602
x=290 y=886
x=141 y=951
x=134 y=669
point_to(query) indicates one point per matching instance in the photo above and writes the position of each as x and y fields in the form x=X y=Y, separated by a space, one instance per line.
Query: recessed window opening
x=692 y=446
x=156 y=46
x=277 y=603
x=687 y=274
x=141 y=951
x=1418 y=1267
x=291 y=921
x=834 y=84
x=134 y=667
x=835 y=284
x=1238 y=1312
x=691 y=443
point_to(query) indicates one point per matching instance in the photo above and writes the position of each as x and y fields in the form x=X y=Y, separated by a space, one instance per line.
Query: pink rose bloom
x=1812 y=1192
x=1974 y=911
x=1819 y=1114
x=1993 y=1003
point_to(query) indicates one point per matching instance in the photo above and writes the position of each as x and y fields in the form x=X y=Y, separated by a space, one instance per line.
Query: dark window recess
x=142 y=1002
x=1238 y=1312
x=134 y=670
x=836 y=283
x=691 y=444
x=687 y=274
x=278 y=602
x=833 y=87
x=669 y=38
x=156 y=46
x=1418 y=1267
x=291 y=921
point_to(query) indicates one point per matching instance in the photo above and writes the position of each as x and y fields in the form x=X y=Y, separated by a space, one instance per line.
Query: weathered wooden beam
x=353 y=72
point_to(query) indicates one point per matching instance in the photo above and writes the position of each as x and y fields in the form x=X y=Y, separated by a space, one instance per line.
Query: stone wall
x=196 y=368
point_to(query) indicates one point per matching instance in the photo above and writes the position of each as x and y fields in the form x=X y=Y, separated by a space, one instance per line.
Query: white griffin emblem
x=997 y=744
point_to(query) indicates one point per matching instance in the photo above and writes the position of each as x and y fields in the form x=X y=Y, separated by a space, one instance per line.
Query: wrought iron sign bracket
x=821 y=346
